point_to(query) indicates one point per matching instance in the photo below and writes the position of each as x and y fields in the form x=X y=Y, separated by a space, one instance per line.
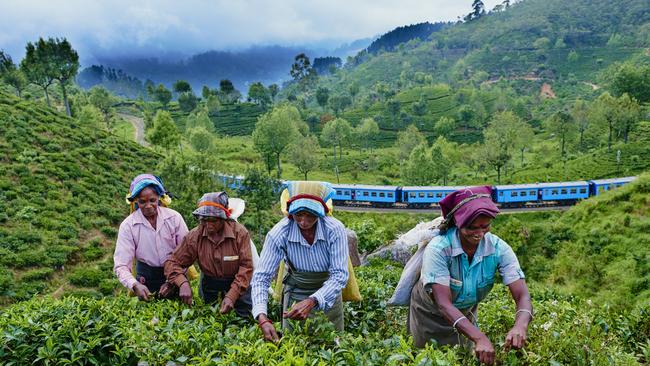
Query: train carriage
x=599 y=186
x=425 y=196
x=358 y=193
x=525 y=194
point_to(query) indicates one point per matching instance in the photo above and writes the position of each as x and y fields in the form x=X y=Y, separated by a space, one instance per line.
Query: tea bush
x=123 y=331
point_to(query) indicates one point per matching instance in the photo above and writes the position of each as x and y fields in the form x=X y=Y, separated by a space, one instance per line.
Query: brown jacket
x=223 y=255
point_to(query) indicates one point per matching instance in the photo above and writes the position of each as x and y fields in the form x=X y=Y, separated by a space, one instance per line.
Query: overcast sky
x=122 y=27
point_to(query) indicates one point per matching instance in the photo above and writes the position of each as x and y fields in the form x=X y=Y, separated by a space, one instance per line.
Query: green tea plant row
x=124 y=331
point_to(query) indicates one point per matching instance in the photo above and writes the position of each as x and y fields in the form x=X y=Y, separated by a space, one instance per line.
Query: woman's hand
x=166 y=290
x=141 y=291
x=484 y=350
x=516 y=337
x=226 y=305
x=301 y=310
x=268 y=330
x=185 y=293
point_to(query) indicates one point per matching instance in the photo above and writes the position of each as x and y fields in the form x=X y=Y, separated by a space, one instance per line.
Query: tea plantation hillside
x=62 y=187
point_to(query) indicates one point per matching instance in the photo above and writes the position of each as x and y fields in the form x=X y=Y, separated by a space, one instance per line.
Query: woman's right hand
x=185 y=293
x=141 y=291
x=268 y=330
x=484 y=350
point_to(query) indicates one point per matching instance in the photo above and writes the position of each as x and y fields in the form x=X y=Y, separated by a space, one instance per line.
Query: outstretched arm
x=516 y=337
x=484 y=350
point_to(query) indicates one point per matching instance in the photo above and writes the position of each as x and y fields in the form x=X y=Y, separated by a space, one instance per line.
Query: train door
x=539 y=194
x=353 y=194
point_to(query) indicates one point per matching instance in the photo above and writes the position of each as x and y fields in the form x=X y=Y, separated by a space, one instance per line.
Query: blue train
x=513 y=195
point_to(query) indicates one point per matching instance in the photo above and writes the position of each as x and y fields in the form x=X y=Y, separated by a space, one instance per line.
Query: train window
x=533 y=193
x=573 y=190
x=563 y=191
x=583 y=190
x=373 y=194
x=523 y=193
x=347 y=193
x=412 y=194
x=554 y=191
x=390 y=194
x=439 y=195
x=514 y=194
x=500 y=193
x=430 y=195
x=339 y=193
x=382 y=194
x=421 y=194
x=365 y=194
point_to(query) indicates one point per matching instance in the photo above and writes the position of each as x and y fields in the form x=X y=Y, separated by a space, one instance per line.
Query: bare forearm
x=463 y=325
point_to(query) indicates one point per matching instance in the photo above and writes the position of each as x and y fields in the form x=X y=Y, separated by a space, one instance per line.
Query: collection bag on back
x=411 y=272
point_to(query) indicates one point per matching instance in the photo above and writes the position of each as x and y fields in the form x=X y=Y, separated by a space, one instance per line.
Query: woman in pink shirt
x=148 y=235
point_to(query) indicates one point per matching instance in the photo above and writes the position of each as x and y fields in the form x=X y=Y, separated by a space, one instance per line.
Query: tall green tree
x=182 y=86
x=407 y=139
x=322 y=97
x=617 y=114
x=162 y=95
x=103 y=100
x=339 y=103
x=274 y=131
x=337 y=133
x=444 y=155
x=259 y=191
x=11 y=75
x=303 y=153
x=37 y=68
x=633 y=80
x=258 y=94
x=563 y=126
x=580 y=114
x=500 y=140
x=393 y=106
x=274 y=89
x=418 y=169
x=164 y=132
x=64 y=63
x=368 y=131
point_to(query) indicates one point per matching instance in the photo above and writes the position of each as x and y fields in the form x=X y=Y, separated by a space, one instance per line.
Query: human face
x=305 y=220
x=148 y=202
x=212 y=224
x=473 y=233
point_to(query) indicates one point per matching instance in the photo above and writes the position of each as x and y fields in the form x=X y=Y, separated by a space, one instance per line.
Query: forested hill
x=554 y=39
x=62 y=188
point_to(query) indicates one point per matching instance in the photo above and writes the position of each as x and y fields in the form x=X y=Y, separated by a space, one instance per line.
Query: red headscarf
x=465 y=205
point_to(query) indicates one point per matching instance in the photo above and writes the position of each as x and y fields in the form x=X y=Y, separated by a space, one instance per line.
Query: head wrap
x=143 y=181
x=213 y=204
x=313 y=197
x=465 y=205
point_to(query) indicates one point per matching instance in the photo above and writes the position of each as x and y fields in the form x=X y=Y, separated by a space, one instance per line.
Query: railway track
x=437 y=211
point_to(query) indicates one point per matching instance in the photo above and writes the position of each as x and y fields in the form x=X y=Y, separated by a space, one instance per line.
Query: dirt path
x=138 y=124
x=592 y=85
x=547 y=91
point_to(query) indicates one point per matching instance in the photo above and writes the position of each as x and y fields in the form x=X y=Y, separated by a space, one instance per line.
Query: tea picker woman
x=458 y=269
x=222 y=247
x=148 y=235
x=315 y=249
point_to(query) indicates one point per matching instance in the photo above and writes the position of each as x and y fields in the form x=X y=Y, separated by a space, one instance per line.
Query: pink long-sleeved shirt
x=138 y=240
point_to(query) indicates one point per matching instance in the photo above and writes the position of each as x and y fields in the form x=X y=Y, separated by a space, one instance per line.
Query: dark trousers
x=212 y=287
x=152 y=277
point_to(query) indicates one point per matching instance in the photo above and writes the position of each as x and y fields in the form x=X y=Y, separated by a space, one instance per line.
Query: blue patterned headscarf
x=309 y=196
x=143 y=181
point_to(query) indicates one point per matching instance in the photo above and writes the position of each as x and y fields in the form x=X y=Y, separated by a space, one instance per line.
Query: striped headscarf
x=213 y=204
x=309 y=196
x=143 y=181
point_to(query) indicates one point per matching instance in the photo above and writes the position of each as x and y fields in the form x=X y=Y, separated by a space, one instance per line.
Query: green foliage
x=164 y=132
x=565 y=331
x=61 y=179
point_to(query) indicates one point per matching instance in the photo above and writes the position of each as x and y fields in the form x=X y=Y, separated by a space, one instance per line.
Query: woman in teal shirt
x=458 y=271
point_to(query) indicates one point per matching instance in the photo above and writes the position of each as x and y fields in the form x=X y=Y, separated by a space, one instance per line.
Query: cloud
x=121 y=27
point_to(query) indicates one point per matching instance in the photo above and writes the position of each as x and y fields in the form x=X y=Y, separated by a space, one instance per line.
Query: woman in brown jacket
x=222 y=248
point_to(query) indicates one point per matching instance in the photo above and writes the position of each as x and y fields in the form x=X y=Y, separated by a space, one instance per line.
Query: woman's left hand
x=301 y=310
x=516 y=337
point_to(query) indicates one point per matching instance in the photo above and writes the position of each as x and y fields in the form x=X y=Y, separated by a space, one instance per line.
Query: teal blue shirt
x=446 y=263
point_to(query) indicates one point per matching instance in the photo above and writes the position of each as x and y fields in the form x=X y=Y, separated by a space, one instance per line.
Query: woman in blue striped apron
x=314 y=247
